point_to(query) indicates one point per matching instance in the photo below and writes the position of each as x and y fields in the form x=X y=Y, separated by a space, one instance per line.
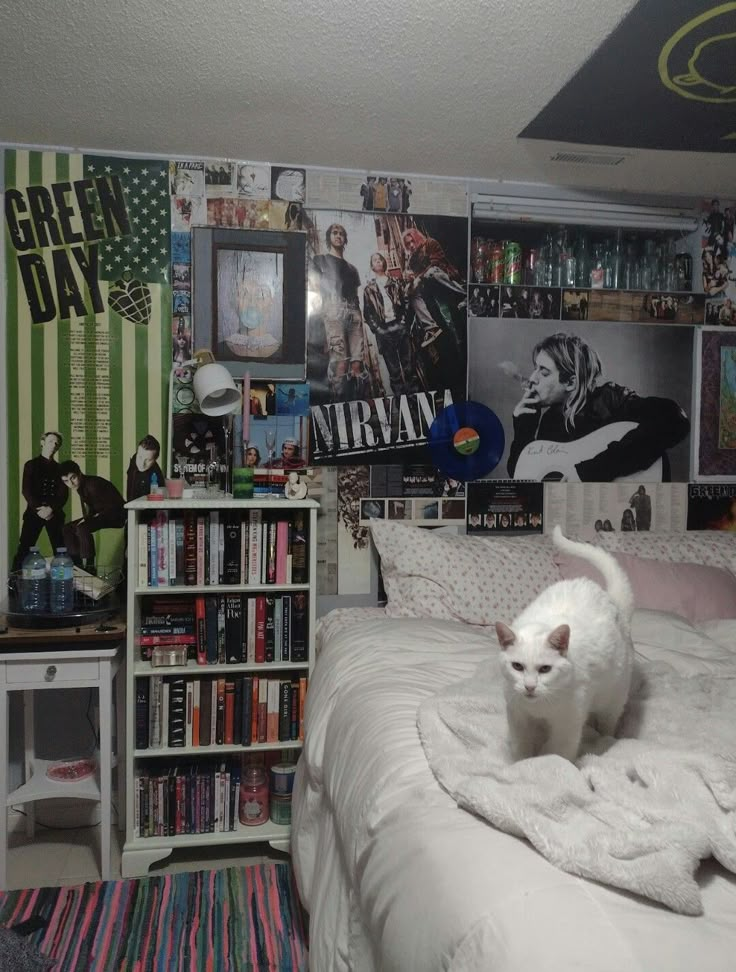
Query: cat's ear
x=505 y=635
x=559 y=639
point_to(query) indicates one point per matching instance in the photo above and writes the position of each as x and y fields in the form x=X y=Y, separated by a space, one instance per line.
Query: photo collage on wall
x=588 y=384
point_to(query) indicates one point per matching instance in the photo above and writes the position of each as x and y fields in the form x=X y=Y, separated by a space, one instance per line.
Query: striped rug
x=231 y=920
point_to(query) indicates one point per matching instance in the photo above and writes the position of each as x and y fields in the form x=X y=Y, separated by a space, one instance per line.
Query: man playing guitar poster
x=569 y=425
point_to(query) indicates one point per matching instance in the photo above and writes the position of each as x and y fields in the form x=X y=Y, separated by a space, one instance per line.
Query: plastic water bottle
x=61 y=583
x=34 y=585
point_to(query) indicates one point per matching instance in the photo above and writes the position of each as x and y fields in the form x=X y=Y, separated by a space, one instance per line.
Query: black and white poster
x=386 y=338
x=595 y=403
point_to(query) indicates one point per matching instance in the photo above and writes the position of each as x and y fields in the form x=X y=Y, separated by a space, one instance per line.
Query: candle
x=246 y=411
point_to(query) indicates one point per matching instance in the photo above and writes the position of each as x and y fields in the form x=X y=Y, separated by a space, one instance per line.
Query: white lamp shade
x=215 y=389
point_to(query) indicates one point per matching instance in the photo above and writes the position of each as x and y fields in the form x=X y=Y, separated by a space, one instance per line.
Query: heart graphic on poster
x=131 y=299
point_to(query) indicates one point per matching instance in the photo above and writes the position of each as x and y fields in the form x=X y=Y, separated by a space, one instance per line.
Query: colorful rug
x=233 y=920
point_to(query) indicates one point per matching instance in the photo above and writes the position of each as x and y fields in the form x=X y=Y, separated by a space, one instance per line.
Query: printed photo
x=506 y=505
x=289 y=185
x=531 y=302
x=426 y=509
x=721 y=311
x=181 y=247
x=253 y=181
x=281 y=441
x=219 y=178
x=453 y=510
x=372 y=509
x=386 y=194
x=650 y=307
x=596 y=404
x=484 y=300
x=186 y=178
x=711 y=506
x=575 y=304
x=181 y=276
x=292 y=399
x=399 y=509
x=186 y=212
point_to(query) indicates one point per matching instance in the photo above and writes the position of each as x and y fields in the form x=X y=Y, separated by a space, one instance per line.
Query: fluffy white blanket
x=638 y=812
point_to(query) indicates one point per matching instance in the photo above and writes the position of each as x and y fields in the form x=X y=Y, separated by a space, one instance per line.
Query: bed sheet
x=396 y=877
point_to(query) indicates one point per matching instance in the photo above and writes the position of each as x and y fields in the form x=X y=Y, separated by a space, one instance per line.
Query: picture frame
x=249 y=300
x=715 y=395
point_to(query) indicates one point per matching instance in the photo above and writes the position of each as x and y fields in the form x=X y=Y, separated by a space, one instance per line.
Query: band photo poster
x=386 y=333
x=622 y=392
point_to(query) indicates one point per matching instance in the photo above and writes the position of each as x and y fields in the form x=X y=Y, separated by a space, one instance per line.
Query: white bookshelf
x=139 y=853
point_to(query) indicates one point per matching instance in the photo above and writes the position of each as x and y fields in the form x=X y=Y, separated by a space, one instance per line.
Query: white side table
x=90 y=658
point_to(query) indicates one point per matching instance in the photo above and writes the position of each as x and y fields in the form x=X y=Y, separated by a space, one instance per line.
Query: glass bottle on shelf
x=213 y=469
x=631 y=270
x=582 y=261
x=479 y=258
x=670 y=272
x=648 y=265
x=597 y=267
x=567 y=259
x=617 y=259
x=546 y=258
x=558 y=248
x=684 y=270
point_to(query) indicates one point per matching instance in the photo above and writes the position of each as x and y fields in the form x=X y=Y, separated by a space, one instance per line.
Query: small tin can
x=282 y=778
x=496 y=262
x=280 y=808
x=512 y=263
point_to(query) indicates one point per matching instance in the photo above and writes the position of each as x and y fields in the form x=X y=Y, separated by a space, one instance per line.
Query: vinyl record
x=466 y=440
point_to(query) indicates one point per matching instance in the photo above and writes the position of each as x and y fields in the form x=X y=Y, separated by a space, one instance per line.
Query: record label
x=466 y=440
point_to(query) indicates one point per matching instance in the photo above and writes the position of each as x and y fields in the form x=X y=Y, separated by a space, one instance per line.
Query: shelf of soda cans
x=569 y=258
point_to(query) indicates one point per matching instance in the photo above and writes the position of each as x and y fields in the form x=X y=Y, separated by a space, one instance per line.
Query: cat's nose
x=530 y=689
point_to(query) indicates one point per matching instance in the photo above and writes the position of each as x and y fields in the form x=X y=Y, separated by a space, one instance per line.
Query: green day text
x=70 y=217
x=351 y=428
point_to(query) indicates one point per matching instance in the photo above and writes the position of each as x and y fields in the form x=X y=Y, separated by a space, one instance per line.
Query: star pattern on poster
x=145 y=254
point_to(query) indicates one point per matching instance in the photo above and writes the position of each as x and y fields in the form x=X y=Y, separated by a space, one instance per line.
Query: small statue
x=295 y=488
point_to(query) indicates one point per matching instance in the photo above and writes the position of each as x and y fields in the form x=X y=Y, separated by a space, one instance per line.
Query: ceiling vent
x=588 y=158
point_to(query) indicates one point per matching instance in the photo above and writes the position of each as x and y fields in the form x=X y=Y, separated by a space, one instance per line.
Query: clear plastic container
x=34 y=583
x=61 y=583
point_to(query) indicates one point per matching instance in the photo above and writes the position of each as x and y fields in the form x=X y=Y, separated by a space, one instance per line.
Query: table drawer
x=50 y=673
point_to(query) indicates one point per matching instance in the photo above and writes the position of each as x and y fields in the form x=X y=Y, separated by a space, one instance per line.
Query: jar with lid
x=253 y=796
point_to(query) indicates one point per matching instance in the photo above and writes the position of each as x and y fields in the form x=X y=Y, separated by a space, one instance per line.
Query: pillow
x=697 y=592
x=472 y=579
x=693 y=547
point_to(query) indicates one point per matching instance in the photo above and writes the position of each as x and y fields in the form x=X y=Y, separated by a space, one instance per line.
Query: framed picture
x=249 y=300
x=715 y=385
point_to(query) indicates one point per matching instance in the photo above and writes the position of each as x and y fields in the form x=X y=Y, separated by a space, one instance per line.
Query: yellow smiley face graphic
x=699 y=60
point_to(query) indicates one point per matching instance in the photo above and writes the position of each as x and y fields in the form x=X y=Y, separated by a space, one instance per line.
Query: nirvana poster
x=386 y=339
x=88 y=335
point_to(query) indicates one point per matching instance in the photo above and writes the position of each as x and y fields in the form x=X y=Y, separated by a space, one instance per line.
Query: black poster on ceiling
x=664 y=79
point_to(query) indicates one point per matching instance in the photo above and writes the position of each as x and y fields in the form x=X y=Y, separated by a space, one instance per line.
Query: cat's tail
x=617 y=583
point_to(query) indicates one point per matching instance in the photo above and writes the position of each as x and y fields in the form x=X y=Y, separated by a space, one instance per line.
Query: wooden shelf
x=224 y=750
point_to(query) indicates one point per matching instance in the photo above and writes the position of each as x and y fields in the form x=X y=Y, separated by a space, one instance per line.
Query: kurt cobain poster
x=386 y=336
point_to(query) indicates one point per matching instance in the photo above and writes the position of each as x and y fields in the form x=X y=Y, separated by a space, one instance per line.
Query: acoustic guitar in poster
x=545 y=460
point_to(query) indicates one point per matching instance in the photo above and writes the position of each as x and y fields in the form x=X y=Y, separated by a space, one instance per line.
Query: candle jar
x=253 y=796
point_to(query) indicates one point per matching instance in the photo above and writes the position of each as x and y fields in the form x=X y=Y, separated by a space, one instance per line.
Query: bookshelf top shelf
x=222 y=503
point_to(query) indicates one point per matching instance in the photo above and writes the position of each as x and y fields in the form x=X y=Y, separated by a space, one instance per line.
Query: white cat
x=567 y=658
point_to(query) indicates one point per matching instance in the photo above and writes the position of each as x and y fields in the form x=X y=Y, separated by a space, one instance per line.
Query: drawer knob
x=50 y=673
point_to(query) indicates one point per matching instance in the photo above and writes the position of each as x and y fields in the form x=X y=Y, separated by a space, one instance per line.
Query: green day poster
x=87 y=264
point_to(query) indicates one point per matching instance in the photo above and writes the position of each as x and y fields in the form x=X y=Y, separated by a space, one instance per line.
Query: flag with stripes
x=87 y=261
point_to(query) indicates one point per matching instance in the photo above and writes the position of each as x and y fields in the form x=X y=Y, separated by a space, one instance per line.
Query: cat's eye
x=517 y=666
x=543 y=669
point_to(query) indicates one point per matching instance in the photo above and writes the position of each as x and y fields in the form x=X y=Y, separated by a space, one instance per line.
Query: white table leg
x=4 y=758
x=29 y=742
x=120 y=716
x=105 y=706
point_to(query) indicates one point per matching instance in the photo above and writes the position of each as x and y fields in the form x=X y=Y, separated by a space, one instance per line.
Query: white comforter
x=397 y=877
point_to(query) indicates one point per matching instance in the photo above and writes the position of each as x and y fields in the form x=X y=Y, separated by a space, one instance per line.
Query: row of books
x=196 y=797
x=222 y=547
x=228 y=628
x=238 y=710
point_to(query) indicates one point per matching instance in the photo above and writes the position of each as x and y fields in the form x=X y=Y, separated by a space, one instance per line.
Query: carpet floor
x=232 y=920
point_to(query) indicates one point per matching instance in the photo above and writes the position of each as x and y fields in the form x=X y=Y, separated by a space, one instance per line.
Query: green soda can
x=512 y=263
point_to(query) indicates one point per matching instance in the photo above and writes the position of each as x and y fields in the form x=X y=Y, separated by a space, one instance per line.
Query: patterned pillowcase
x=693 y=547
x=475 y=580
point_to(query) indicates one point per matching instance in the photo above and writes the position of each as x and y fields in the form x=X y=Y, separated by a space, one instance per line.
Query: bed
x=394 y=874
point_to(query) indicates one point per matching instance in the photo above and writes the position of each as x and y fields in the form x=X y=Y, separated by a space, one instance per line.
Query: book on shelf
x=222 y=547
x=191 y=797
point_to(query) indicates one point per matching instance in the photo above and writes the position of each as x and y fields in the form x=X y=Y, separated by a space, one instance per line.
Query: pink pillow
x=697 y=592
